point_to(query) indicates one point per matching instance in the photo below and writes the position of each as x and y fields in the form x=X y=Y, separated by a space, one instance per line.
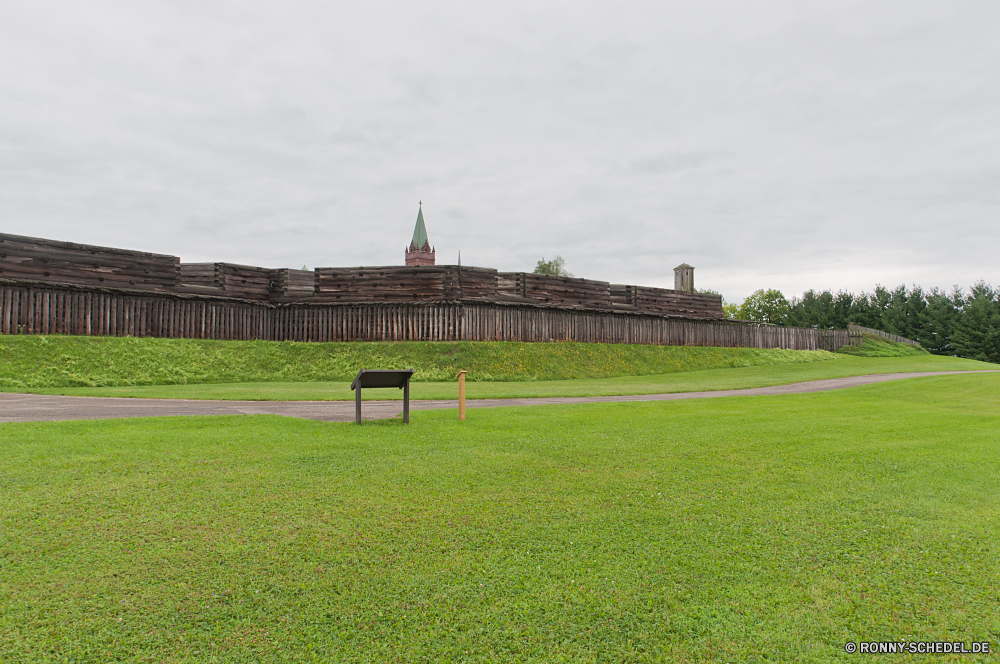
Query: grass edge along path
x=742 y=529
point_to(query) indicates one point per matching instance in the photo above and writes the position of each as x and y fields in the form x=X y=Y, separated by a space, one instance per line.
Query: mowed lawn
x=746 y=528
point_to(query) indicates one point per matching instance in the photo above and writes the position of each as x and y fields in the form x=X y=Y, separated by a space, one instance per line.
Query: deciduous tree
x=555 y=267
x=765 y=306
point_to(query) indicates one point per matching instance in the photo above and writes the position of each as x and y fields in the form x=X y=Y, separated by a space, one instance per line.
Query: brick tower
x=420 y=251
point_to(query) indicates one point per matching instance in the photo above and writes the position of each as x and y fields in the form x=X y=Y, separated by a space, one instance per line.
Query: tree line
x=945 y=323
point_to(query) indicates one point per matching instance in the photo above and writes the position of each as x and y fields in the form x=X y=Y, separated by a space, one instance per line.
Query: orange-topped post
x=461 y=394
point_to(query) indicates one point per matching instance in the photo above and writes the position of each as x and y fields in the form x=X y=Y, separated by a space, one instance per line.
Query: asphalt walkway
x=44 y=408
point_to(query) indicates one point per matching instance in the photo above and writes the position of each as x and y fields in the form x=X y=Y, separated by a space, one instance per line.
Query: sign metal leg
x=357 y=404
x=406 y=402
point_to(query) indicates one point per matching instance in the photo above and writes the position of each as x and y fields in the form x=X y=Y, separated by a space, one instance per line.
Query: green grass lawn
x=679 y=381
x=738 y=529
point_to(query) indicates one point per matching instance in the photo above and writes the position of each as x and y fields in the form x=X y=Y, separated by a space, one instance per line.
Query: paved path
x=40 y=408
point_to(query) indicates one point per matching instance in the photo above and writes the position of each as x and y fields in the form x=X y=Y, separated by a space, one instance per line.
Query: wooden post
x=461 y=394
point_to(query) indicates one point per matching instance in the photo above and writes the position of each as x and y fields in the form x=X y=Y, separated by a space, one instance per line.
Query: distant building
x=420 y=251
x=684 y=278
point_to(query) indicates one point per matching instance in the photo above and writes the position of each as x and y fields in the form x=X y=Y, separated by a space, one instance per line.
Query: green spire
x=419 y=232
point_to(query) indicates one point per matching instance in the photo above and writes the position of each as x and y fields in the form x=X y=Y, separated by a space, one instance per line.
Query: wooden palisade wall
x=50 y=287
x=51 y=262
x=42 y=309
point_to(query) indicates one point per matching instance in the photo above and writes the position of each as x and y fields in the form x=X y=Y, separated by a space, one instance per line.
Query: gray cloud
x=775 y=144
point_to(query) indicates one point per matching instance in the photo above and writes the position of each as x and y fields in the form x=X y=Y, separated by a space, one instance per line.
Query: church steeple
x=420 y=251
x=420 y=232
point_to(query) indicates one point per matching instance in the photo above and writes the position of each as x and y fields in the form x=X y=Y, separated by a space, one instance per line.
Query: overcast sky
x=783 y=144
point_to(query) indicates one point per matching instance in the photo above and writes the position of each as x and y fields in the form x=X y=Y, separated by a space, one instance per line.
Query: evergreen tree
x=943 y=323
x=813 y=310
x=878 y=303
x=906 y=314
x=977 y=334
x=864 y=313
x=941 y=318
x=824 y=311
x=841 y=310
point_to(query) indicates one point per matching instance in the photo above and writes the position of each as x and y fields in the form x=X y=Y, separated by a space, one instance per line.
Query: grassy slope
x=188 y=369
x=875 y=346
x=61 y=361
x=687 y=381
x=747 y=528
